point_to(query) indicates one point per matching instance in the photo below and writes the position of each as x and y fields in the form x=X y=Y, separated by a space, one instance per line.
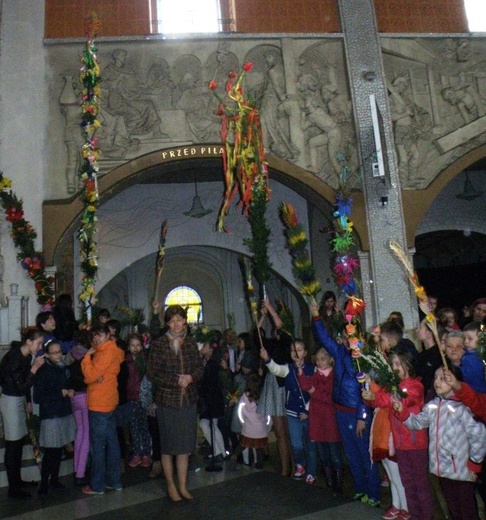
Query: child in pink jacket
x=255 y=427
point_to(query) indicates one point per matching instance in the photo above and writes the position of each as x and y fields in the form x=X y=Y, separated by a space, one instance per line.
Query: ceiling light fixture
x=197 y=209
x=469 y=192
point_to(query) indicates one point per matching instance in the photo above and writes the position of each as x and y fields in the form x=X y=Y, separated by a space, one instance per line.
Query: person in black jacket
x=17 y=373
x=57 y=428
x=211 y=401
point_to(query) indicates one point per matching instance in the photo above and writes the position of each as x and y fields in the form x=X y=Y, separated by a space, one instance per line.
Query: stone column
x=390 y=287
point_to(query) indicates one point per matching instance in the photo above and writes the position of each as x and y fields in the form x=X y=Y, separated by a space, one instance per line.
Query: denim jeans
x=104 y=450
x=303 y=449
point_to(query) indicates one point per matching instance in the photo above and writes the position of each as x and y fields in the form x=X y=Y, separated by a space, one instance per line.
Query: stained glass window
x=189 y=299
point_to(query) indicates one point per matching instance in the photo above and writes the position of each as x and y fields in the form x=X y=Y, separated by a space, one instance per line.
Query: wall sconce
x=384 y=201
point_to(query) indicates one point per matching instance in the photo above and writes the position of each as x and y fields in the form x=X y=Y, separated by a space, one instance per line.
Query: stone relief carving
x=437 y=95
x=191 y=95
x=437 y=98
x=411 y=124
x=326 y=116
x=219 y=64
x=124 y=97
x=159 y=85
x=148 y=102
x=69 y=104
x=274 y=109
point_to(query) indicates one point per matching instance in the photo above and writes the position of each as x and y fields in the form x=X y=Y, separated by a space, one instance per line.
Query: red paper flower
x=248 y=66
x=232 y=74
x=213 y=85
x=354 y=306
x=13 y=214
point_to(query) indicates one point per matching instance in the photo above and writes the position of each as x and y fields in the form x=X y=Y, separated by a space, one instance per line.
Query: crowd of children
x=432 y=422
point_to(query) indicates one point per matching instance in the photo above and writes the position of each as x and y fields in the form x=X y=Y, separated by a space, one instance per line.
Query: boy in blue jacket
x=352 y=415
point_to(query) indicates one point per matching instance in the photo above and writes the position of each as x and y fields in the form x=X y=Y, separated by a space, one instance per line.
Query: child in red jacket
x=411 y=446
x=323 y=428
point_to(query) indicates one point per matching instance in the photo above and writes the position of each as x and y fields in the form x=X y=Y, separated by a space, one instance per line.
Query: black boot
x=337 y=482
x=55 y=466
x=45 y=472
x=328 y=477
x=13 y=463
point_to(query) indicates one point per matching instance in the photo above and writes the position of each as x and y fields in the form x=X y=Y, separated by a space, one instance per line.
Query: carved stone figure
x=195 y=102
x=272 y=111
x=329 y=133
x=113 y=137
x=158 y=85
x=124 y=98
x=73 y=140
x=462 y=99
x=410 y=124
x=340 y=109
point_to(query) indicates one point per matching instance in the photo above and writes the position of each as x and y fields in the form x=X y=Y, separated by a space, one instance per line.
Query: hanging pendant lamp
x=469 y=192
x=197 y=209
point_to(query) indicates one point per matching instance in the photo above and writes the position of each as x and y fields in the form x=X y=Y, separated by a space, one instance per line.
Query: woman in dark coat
x=175 y=368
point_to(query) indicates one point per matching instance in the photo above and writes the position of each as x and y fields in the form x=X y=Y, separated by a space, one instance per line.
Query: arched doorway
x=136 y=197
x=450 y=241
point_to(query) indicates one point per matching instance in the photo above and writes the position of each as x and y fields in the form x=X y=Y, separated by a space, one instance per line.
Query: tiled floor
x=243 y=494
x=145 y=498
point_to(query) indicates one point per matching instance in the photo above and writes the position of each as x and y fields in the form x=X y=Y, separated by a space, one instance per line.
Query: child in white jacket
x=457 y=445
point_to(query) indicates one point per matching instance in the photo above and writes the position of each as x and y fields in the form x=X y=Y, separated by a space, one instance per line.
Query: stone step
x=30 y=469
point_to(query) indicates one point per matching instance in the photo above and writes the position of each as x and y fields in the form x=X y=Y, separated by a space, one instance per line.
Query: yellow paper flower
x=311 y=288
x=5 y=184
x=302 y=264
x=420 y=292
x=298 y=237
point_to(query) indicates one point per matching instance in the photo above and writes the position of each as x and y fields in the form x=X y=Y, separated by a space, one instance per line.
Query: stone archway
x=62 y=216
x=171 y=166
x=416 y=203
